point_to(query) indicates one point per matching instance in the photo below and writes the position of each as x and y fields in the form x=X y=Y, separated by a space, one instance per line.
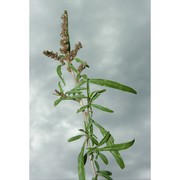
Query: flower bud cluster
x=67 y=54
x=72 y=54
x=55 y=56
x=64 y=42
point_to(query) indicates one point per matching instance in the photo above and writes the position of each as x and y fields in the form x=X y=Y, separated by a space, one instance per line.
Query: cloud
x=116 y=44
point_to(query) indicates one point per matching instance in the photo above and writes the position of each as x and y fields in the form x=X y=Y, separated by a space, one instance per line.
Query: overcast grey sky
x=116 y=44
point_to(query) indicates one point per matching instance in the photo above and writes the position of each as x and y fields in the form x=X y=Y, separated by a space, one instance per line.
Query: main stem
x=86 y=117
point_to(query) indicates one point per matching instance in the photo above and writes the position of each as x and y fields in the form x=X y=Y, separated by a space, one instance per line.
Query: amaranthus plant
x=93 y=146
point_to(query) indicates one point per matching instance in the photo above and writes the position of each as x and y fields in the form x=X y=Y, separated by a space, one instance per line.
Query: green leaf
x=81 y=169
x=102 y=108
x=85 y=158
x=73 y=68
x=84 y=76
x=95 y=94
x=79 y=61
x=118 y=147
x=103 y=157
x=94 y=141
x=112 y=84
x=56 y=102
x=82 y=130
x=79 y=88
x=76 y=97
x=58 y=70
x=74 y=138
x=88 y=125
x=118 y=159
x=116 y=154
x=73 y=92
x=82 y=108
x=79 y=84
x=105 y=174
x=97 y=91
x=108 y=172
x=60 y=87
x=97 y=165
x=105 y=139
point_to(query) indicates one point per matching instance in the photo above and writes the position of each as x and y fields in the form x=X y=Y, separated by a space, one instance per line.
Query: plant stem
x=86 y=117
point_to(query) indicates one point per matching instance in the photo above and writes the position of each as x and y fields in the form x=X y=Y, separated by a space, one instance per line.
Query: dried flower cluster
x=54 y=56
x=68 y=54
x=64 y=42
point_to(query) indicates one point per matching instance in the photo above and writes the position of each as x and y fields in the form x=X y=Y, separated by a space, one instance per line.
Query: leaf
x=84 y=76
x=105 y=139
x=60 y=87
x=77 y=97
x=79 y=84
x=81 y=169
x=79 y=88
x=56 y=102
x=74 y=138
x=97 y=165
x=79 y=61
x=82 y=130
x=82 y=108
x=73 y=68
x=85 y=158
x=112 y=84
x=76 y=90
x=95 y=94
x=108 y=172
x=105 y=174
x=102 y=108
x=88 y=125
x=97 y=91
x=118 y=159
x=118 y=147
x=58 y=70
x=94 y=141
x=116 y=154
x=73 y=92
x=103 y=157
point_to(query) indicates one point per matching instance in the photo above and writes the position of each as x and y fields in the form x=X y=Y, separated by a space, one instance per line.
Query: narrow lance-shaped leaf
x=116 y=154
x=56 y=102
x=102 y=108
x=97 y=91
x=108 y=172
x=79 y=61
x=105 y=139
x=73 y=68
x=81 y=169
x=94 y=141
x=60 y=87
x=112 y=84
x=76 y=97
x=58 y=70
x=82 y=108
x=85 y=158
x=117 y=147
x=105 y=174
x=80 y=84
x=97 y=165
x=103 y=157
x=95 y=94
x=75 y=138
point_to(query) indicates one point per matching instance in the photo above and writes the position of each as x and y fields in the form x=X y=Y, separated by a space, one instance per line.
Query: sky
x=116 y=44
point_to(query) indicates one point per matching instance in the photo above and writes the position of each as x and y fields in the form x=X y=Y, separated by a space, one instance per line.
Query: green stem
x=86 y=118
